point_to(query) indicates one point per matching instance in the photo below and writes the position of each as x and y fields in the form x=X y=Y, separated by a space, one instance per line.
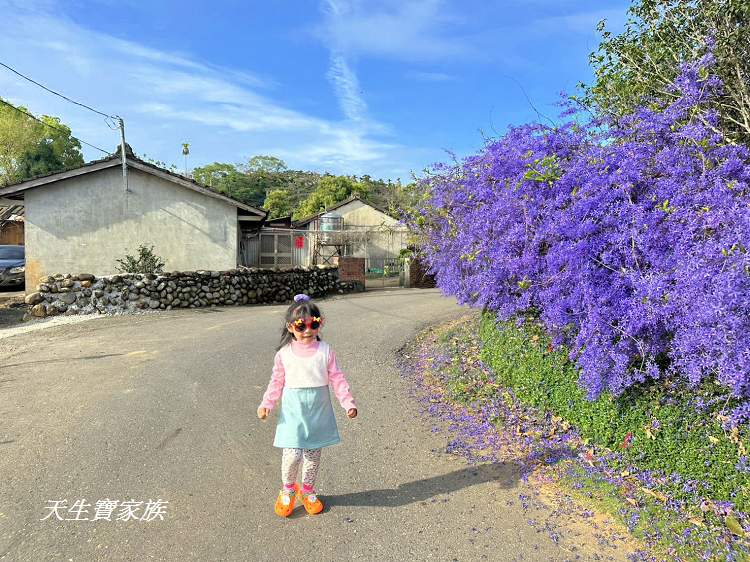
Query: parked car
x=12 y=266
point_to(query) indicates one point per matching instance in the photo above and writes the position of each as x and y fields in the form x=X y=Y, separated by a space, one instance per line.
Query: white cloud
x=342 y=76
x=347 y=88
x=170 y=98
x=413 y=30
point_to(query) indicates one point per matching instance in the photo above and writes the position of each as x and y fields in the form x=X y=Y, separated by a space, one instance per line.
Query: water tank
x=329 y=223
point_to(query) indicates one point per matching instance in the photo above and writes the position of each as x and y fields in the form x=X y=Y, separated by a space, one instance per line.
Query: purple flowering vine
x=628 y=239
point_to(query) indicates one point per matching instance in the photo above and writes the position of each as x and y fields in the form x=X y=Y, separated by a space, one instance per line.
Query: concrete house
x=372 y=233
x=361 y=230
x=83 y=220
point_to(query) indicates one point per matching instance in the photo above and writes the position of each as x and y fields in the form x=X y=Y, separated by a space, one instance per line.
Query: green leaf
x=734 y=526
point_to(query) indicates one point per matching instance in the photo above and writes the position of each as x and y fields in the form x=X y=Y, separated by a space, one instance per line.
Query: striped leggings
x=290 y=461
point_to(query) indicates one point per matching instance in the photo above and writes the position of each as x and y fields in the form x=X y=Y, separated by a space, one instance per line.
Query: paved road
x=163 y=406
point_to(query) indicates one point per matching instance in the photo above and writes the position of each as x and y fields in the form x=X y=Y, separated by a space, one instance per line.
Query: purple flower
x=626 y=236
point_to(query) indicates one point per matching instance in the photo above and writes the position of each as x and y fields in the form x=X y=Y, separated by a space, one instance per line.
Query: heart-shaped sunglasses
x=313 y=323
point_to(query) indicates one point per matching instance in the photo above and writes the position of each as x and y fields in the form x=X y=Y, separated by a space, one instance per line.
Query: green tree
x=269 y=164
x=212 y=175
x=243 y=187
x=29 y=148
x=278 y=204
x=67 y=150
x=640 y=63
x=235 y=183
x=40 y=159
x=266 y=172
x=386 y=194
x=299 y=184
x=330 y=190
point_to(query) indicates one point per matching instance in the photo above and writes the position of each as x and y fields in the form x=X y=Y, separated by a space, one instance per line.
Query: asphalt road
x=163 y=407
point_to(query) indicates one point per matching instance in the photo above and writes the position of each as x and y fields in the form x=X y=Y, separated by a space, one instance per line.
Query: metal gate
x=275 y=249
x=279 y=248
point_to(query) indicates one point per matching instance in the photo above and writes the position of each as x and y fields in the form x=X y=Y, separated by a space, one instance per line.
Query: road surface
x=162 y=407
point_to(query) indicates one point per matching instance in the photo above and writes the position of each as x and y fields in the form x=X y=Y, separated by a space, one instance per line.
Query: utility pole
x=123 y=155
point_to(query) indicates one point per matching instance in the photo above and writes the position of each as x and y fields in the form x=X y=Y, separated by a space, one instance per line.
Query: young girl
x=304 y=366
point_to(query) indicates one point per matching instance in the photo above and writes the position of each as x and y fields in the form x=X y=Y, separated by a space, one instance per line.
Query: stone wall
x=86 y=294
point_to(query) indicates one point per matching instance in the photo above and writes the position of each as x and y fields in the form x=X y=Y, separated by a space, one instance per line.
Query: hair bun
x=301 y=298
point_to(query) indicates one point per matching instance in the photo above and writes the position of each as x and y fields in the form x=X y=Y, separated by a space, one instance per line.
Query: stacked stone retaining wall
x=87 y=294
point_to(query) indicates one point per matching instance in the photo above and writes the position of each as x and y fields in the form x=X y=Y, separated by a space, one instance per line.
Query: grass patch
x=673 y=484
x=664 y=427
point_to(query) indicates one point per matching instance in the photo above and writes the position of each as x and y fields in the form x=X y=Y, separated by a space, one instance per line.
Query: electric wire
x=52 y=126
x=57 y=93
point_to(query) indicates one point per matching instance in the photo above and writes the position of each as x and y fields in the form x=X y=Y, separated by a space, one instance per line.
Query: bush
x=629 y=237
x=673 y=428
x=147 y=262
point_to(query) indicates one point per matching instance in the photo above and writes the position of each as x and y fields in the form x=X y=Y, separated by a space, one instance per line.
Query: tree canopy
x=278 y=204
x=640 y=64
x=232 y=181
x=29 y=148
x=265 y=181
x=269 y=164
x=330 y=190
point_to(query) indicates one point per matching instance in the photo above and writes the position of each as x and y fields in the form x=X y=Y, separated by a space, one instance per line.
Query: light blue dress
x=306 y=419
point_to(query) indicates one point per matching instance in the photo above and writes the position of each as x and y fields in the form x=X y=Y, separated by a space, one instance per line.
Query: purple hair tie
x=301 y=298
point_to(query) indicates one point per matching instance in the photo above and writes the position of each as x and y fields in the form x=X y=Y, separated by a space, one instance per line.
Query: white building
x=83 y=220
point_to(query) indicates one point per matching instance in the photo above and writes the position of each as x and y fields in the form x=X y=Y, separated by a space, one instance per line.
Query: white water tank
x=329 y=223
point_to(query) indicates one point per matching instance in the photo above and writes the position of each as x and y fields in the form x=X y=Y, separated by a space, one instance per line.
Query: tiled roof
x=132 y=157
x=338 y=205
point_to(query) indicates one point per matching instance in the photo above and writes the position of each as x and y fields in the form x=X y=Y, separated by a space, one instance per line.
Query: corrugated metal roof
x=12 y=213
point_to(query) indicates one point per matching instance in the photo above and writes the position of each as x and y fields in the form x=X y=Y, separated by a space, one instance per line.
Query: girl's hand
x=262 y=412
x=351 y=413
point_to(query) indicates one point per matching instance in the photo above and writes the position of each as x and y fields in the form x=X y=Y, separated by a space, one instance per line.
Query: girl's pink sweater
x=335 y=377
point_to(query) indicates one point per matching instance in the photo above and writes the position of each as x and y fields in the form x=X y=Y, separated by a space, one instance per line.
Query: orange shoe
x=285 y=501
x=311 y=502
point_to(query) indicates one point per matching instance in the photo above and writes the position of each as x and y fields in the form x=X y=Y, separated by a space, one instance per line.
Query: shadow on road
x=504 y=474
x=12 y=315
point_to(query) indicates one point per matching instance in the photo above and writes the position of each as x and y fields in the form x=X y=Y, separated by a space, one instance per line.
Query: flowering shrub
x=628 y=239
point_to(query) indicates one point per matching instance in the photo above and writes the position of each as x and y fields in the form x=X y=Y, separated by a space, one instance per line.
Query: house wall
x=84 y=224
x=384 y=243
x=386 y=236
x=358 y=213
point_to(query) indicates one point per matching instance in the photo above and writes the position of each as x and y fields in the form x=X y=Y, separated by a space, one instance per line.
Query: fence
x=275 y=247
x=282 y=247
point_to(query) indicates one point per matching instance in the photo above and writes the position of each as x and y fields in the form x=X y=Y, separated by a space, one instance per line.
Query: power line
x=52 y=126
x=56 y=93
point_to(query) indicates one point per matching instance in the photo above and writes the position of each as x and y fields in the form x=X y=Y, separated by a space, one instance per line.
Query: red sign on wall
x=299 y=242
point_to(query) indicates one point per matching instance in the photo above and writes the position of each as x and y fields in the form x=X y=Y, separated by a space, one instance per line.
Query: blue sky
x=355 y=87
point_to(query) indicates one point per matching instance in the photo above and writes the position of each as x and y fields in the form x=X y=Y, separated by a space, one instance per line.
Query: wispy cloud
x=341 y=74
x=414 y=30
x=226 y=114
x=347 y=88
